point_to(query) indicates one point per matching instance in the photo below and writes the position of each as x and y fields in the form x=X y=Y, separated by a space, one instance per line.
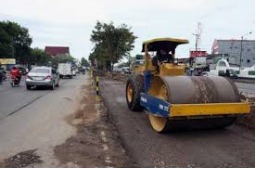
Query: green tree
x=98 y=55
x=39 y=57
x=6 y=48
x=84 y=62
x=15 y=42
x=111 y=44
x=62 y=58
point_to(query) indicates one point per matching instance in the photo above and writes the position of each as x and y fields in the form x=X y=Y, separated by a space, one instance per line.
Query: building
x=231 y=50
x=56 y=50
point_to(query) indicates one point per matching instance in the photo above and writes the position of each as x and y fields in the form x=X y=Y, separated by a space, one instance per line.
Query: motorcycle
x=1 y=78
x=15 y=81
x=4 y=77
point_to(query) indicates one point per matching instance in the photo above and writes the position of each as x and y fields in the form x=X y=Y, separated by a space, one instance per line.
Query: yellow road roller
x=175 y=101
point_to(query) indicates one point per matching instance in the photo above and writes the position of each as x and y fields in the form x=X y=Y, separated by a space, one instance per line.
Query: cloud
x=86 y=12
x=54 y=11
x=70 y=22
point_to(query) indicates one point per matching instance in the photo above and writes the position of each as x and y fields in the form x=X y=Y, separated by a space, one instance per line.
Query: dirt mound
x=248 y=120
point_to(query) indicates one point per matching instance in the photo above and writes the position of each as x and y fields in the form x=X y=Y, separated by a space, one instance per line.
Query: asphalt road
x=230 y=147
x=14 y=98
x=36 y=119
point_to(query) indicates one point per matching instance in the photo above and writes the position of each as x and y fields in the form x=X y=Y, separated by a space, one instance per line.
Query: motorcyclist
x=16 y=74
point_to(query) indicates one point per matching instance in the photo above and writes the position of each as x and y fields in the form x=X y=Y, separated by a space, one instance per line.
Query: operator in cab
x=161 y=57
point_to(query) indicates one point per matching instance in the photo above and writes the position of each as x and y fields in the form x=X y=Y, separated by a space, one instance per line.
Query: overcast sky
x=70 y=22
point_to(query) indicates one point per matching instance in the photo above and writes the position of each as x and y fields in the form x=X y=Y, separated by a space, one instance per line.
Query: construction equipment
x=175 y=101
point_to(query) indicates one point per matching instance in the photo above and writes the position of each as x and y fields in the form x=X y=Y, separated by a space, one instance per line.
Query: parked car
x=42 y=76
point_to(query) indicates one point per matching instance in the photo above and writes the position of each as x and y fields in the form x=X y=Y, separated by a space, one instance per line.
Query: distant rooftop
x=56 y=50
x=234 y=40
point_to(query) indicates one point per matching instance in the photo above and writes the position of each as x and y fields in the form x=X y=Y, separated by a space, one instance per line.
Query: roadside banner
x=7 y=61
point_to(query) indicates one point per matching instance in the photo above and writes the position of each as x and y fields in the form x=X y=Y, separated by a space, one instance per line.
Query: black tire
x=137 y=85
x=58 y=84
x=28 y=87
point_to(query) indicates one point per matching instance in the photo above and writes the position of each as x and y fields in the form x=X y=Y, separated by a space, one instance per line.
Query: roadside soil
x=96 y=143
x=248 y=120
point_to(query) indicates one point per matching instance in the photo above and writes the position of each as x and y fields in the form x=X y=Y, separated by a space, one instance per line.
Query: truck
x=65 y=70
x=199 y=66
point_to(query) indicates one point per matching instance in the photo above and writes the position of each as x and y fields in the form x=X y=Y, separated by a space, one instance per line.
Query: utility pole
x=241 y=51
x=198 y=35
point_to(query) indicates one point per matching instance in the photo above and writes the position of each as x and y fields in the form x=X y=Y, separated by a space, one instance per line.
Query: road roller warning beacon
x=175 y=101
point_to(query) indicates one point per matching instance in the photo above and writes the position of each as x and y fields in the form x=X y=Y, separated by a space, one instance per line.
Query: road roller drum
x=192 y=90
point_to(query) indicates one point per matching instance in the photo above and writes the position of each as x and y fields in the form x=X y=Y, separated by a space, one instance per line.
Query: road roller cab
x=175 y=101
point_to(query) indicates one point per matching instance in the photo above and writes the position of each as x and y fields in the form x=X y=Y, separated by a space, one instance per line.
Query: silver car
x=42 y=76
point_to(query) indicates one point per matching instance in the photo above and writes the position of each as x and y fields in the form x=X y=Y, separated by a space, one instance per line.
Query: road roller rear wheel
x=134 y=87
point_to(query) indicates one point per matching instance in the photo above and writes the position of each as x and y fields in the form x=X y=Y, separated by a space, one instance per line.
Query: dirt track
x=231 y=147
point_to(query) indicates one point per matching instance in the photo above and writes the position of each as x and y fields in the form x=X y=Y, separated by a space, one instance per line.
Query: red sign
x=197 y=53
